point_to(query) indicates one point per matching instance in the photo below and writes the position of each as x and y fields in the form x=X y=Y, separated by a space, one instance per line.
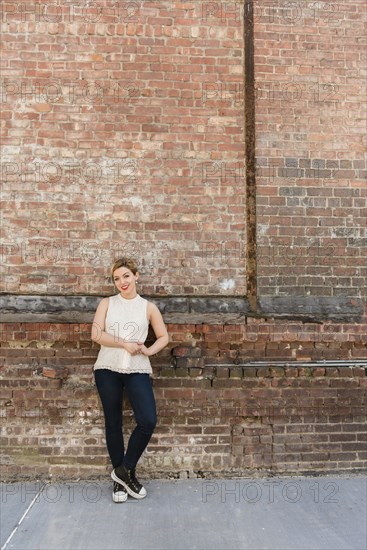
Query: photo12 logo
x=227 y=93
x=292 y=92
x=222 y=172
x=271 y=11
x=221 y=11
x=78 y=92
x=48 y=251
x=74 y=11
x=51 y=493
x=270 y=492
x=71 y=171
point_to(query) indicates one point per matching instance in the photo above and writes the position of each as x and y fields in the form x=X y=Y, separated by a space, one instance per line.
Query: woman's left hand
x=143 y=350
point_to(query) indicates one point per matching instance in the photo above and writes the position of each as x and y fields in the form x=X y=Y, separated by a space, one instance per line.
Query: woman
x=120 y=326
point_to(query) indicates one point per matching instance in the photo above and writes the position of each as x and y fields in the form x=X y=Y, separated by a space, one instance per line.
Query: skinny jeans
x=139 y=390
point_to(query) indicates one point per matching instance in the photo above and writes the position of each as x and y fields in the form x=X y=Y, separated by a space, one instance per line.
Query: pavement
x=305 y=513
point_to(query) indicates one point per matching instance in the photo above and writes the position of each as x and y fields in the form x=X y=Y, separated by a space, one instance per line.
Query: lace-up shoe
x=119 y=493
x=127 y=478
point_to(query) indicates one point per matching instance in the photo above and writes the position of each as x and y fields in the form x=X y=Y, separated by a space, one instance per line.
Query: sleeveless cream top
x=127 y=319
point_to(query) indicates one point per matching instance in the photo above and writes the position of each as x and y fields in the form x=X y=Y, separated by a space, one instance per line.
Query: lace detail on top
x=122 y=371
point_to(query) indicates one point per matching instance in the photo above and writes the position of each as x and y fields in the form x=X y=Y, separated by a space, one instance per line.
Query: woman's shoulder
x=151 y=307
x=105 y=302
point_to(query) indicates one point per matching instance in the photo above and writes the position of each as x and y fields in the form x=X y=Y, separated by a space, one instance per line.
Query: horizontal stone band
x=183 y=310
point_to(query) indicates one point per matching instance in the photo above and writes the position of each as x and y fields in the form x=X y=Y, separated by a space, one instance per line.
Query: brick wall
x=115 y=128
x=221 y=143
x=217 y=414
x=129 y=120
x=310 y=121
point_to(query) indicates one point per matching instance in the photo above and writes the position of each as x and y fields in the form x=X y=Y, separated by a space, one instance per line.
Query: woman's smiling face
x=125 y=281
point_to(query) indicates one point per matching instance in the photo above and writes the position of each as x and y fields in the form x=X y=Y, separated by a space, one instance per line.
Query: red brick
x=309 y=175
x=55 y=372
x=181 y=351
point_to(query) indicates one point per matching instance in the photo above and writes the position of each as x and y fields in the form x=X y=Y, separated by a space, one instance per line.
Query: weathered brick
x=181 y=351
x=169 y=371
x=55 y=372
x=183 y=118
x=190 y=362
x=359 y=371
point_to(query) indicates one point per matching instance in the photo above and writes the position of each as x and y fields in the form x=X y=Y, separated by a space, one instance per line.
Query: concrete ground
x=305 y=513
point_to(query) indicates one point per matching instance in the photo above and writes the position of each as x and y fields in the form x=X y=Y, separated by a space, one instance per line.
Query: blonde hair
x=129 y=263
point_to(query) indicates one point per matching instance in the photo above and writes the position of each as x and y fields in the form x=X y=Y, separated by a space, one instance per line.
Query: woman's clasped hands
x=136 y=348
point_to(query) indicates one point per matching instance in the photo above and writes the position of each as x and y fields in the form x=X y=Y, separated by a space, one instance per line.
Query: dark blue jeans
x=139 y=390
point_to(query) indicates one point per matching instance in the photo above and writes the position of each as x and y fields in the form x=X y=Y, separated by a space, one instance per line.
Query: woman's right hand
x=132 y=347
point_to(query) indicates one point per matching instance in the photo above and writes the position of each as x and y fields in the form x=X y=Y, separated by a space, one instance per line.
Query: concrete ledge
x=80 y=309
x=319 y=308
x=186 y=310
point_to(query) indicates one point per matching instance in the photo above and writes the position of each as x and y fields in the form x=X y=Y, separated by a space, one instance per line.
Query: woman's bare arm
x=160 y=331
